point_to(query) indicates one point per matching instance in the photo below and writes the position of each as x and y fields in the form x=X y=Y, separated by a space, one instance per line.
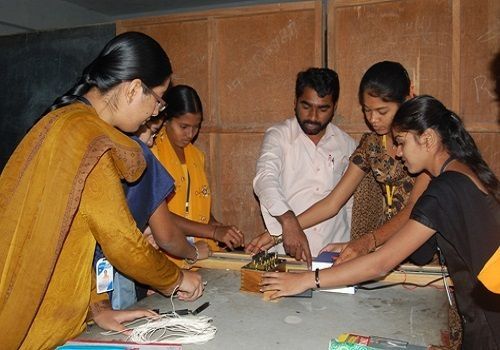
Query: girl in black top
x=461 y=204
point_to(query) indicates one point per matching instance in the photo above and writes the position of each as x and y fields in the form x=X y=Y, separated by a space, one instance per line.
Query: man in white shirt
x=302 y=159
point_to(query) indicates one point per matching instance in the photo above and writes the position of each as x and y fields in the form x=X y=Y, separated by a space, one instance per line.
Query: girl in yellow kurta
x=186 y=163
x=61 y=192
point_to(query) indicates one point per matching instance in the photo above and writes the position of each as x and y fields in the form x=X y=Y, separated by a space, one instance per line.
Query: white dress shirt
x=293 y=173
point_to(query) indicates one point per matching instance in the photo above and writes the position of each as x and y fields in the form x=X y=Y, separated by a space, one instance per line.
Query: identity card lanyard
x=389 y=188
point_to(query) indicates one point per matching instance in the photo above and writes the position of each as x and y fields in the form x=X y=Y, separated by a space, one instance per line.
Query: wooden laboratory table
x=245 y=321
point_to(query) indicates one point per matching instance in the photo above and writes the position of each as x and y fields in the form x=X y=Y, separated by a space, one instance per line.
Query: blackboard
x=35 y=69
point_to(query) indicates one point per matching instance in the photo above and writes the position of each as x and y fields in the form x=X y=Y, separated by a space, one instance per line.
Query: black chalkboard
x=35 y=69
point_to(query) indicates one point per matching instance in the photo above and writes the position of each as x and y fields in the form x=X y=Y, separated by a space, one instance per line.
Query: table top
x=245 y=321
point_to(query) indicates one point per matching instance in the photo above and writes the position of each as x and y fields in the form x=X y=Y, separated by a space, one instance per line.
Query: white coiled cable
x=175 y=329
x=172 y=328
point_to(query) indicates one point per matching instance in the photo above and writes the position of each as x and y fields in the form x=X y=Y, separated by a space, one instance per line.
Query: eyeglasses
x=161 y=102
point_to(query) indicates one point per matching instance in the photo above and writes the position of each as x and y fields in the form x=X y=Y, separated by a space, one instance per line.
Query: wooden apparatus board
x=236 y=260
x=404 y=273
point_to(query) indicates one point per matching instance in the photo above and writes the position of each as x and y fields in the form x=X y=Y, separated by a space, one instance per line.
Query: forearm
x=138 y=259
x=193 y=228
x=286 y=219
x=411 y=236
x=329 y=206
x=115 y=230
x=386 y=231
x=179 y=247
x=317 y=213
x=168 y=235
x=354 y=271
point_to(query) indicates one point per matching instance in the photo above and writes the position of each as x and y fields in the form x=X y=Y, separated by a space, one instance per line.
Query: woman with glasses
x=186 y=163
x=61 y=193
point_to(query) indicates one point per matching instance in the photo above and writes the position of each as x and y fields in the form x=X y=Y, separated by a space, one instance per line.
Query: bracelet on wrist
x=196 y=256
x=316 y=278
x=277 y=239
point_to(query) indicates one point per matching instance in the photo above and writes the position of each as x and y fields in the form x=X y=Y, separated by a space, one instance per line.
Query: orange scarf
x=199 y=196
x=490 y=274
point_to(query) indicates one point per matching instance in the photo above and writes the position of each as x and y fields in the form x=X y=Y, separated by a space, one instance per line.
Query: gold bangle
x=277 y=239
x=197 y=255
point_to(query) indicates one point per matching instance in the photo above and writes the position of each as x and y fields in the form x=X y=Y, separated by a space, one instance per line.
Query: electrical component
x=251 y=273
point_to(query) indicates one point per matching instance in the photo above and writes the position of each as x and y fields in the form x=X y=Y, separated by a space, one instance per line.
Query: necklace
x=445 y=164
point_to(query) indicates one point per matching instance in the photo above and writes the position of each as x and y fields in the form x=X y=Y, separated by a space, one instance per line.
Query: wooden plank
x=225 y=261
x=420 y=278
x=129 y=24
x=404 y=273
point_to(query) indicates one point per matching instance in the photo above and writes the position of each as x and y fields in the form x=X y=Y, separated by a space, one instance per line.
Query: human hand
x=230 y=235
x=112 y=320
x=333 y=247
x=358 y=247
x=203 y=249
x=286 y=283
x=295 y=241
x=259 y=243
x=191 y=287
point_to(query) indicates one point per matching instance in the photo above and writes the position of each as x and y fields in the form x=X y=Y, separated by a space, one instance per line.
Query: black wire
x=399 y=284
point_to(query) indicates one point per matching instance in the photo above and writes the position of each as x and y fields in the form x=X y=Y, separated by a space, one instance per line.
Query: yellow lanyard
x=389 y=189
x=389 y=193
x=188 y=187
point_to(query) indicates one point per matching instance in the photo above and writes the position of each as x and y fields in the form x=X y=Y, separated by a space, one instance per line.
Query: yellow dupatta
x=40 y=191
x=200 y=195
x=490 y=274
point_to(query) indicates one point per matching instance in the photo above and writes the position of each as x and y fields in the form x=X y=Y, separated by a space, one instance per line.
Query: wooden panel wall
x=447 y=46
x=402 y=31
x=478 y=104
x=244 y=61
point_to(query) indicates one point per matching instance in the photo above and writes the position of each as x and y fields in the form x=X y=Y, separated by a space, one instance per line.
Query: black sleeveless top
x=468 y=225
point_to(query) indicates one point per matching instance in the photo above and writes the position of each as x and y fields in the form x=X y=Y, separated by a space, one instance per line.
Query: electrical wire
x=362 y=287
x=171 y=328
x=175 y=329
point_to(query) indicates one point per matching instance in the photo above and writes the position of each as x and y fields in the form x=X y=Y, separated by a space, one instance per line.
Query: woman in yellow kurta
x=61 y=192
x=186 y=163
